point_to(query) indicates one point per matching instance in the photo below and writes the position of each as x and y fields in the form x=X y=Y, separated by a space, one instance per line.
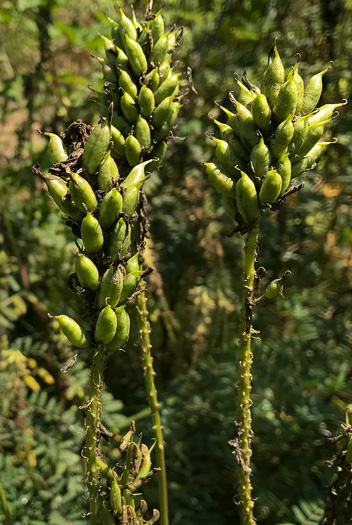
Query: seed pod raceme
x=56 y=148
x=73 y=331
x=271 y=187
x=122 y=329
x=106 y=326
x=87 y=272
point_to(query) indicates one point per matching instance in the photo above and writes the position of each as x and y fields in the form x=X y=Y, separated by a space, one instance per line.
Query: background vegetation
x=302 y=362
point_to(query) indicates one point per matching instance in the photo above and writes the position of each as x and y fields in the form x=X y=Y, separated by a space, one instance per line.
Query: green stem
x=5 y=508
x=144 y=330
x=92 y=430
x=243 y=449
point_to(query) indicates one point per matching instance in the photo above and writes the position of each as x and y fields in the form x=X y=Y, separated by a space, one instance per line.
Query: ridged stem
x=243 y=449
x=5 y=508
x=93 y=409
x=144 y=330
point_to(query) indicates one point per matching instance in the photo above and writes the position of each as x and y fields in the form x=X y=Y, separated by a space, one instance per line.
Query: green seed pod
x=136 y=24
x=108 y=171
x=243 y=94
x=232 y=120
x=161 y=111
x=119 y=241
x=92 y=234
x=96 y=146
x=299 y=86
x=110 y=288
x=115 y=497
x=271 y=187
x=273 y=76
x=106 y=326
x=129 y=108
x=286 y=101
x=109 y=72
x=227 y=159
x=146 y=461
x=152 y=79
x=167 y=88
x=284 y=168
x=169 y=122
x=136 y=175
x=136 y=56
x=56 y=148
x=126 y=83
x=159 y=152
x=110 y=49
x=132 y=150
x=121 y=124
x=159 y=51
x=157 y=28
x=127 y=26
x=142 y=132
x=130 y=284
x=164 y=69
x=260 y=158
x=247 y=198
x=312 y=92
x=119 y=143
x=282 y=138
x=87 y=272
x=324 y=113
x=122 y=330
x=230 y=206
x=82 y=193
x=122 y=61
x=273 y=289
x=261 y=112
x=146 y=101
x=227 y=134
x=131 y=199
x=73 y=331
x=59 y=192
x=299 y=133
x=246 y=125
x=222 y=183
x=133 y=264
x=306 y=162
x=314 y=134
x=110 y=206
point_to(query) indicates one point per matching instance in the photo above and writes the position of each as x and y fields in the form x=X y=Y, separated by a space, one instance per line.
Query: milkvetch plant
x=272 y=136
x=97 y=182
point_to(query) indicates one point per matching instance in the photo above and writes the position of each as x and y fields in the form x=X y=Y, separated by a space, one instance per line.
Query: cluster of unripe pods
x=272 y=136
x=140 y=80
x=137 y=469
x=101 y=207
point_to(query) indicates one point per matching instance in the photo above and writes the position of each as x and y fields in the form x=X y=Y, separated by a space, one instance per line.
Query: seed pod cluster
x=271 y=137
x=136 y=471
x=100 y=206
x=140 y=79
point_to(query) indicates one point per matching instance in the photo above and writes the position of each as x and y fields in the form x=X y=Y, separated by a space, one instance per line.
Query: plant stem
x=92 y=430
x=243 y=450
x=5 y=508
x=144 y=330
